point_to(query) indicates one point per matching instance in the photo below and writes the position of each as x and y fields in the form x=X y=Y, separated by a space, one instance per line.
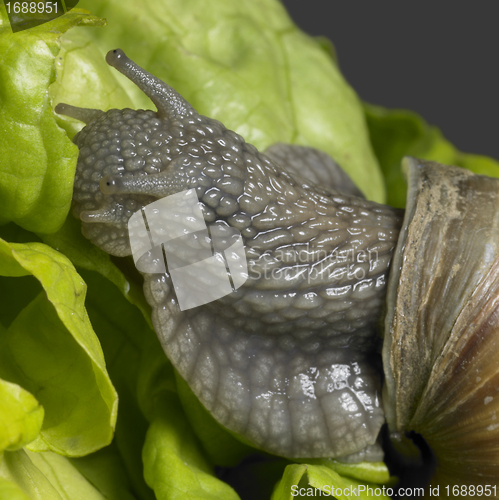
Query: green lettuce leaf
x=398 y=133
x=83 y=254
x=64 y=477
x=85 y=79
x=373 y=472
x=21 y=416
x=51 y=350
x=107 y=472
x=174 y=465
x=133 y=353
x=49 y=476
x=18 y=474
x=301 y=480
x=11 y=491
x=37 y=159
x=291 y=478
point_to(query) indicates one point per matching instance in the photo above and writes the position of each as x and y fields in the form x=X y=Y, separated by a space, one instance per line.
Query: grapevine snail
x=291 y=359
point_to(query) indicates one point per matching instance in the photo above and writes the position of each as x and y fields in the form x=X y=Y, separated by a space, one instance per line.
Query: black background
x=439 y=59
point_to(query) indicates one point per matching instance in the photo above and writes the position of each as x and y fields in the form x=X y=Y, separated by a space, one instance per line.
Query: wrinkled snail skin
x=289 y=360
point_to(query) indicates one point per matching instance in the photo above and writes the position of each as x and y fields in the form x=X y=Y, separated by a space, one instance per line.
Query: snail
x=291 y=359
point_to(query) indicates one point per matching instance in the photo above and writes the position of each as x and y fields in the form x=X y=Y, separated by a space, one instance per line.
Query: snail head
x=129 y=158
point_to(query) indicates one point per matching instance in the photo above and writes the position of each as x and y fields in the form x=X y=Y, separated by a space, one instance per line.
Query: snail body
x=290 y=359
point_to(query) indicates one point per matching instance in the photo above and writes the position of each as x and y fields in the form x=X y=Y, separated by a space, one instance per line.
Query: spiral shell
x=441 y=347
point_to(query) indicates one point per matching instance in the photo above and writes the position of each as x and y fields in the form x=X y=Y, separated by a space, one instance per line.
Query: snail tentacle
x=156 y=185
x=168 y=101
x=85 y=115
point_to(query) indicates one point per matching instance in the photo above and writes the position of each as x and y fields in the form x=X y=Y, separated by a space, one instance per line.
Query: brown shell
x=441 y=347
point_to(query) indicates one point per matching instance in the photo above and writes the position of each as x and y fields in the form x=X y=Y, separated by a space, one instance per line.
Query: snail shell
x=290 y=359
x=441 y=348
